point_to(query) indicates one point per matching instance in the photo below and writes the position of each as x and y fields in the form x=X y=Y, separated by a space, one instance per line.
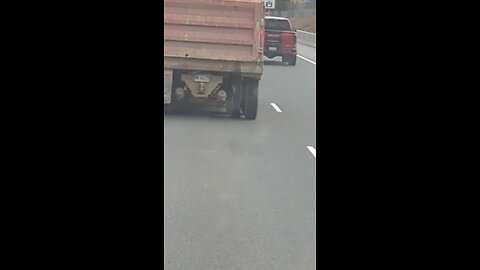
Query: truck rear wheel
x=236 y=98
x=167 y=108
x=250 y=104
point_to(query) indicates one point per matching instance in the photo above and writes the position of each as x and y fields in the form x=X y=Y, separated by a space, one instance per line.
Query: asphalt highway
x=241 y=194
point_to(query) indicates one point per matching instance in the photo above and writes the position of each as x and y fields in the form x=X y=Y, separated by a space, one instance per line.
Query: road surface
x=242 y=194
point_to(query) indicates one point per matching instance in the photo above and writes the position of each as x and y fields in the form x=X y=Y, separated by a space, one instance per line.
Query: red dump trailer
x=213 y=54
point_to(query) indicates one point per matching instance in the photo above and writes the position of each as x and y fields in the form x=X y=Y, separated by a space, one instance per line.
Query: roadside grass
x=305 y=23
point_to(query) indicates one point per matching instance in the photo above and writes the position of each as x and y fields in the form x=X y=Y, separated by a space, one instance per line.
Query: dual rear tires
x=245 y=98
x=242 y=101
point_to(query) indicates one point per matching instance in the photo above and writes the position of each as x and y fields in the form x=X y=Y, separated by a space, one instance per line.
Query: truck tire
x=167 y=108
x=237 y=98
x=250 y=104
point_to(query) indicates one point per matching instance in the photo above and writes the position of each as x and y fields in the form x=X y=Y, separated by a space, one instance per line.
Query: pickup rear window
x=278 y=25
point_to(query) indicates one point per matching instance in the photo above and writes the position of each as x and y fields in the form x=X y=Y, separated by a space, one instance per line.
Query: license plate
x=272 y=48
x=202 y=78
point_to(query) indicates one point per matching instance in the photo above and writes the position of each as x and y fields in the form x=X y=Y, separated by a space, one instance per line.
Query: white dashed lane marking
x=276 y=107
x=312 y=150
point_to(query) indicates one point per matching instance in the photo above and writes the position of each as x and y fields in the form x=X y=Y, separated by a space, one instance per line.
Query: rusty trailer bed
x=214 y=35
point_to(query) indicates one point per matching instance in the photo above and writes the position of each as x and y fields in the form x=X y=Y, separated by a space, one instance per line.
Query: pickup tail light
x=288 y=40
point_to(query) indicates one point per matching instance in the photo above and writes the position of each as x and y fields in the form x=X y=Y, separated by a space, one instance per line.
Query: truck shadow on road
x=198 y=113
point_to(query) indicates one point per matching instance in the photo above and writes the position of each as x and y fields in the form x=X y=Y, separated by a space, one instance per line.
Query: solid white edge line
x=276 y=107
x=306 y=32
x=308 y=60
x=312 y=150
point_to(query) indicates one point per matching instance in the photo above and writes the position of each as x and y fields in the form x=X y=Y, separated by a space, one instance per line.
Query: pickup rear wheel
x=250 y=104
x=291 y=60
x=294 y=60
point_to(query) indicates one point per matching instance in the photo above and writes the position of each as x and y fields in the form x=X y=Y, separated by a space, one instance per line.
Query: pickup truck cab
x=280 y=40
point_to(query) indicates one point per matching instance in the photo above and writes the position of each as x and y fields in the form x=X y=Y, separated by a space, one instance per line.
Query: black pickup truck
x=280 y=40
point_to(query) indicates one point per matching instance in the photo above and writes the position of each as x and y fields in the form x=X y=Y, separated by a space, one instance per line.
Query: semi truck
x=213 y=54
